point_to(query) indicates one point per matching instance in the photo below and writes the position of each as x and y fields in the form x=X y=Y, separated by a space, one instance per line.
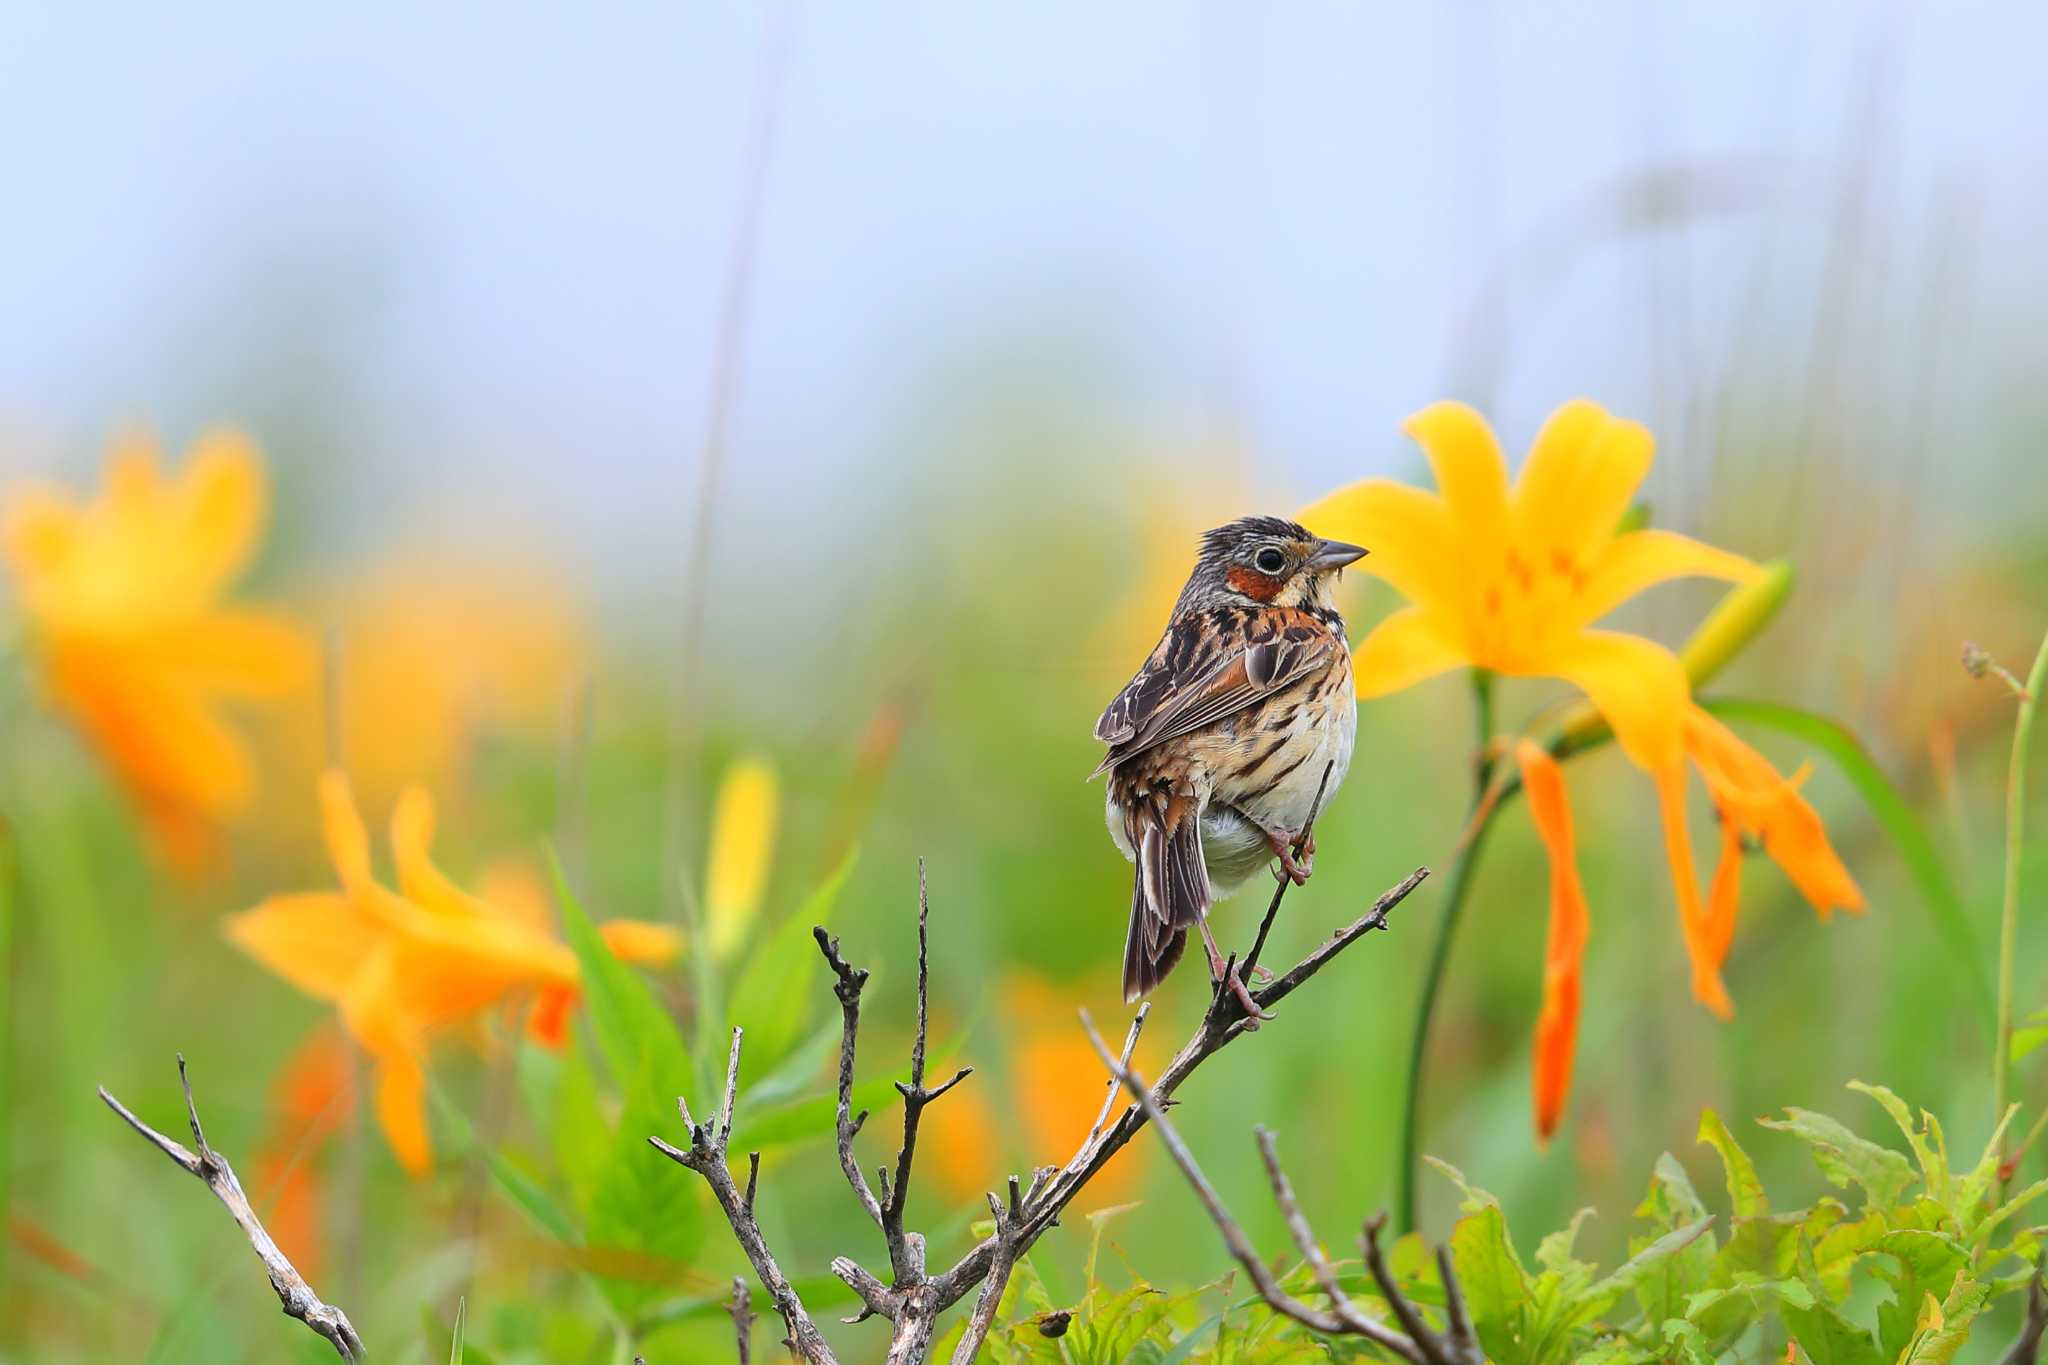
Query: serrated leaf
x=1845 y=1157
x=1943 y=1331
x=1554 y=1252
x=1745 y=1191
x=779 y=989
x=1496 y=1286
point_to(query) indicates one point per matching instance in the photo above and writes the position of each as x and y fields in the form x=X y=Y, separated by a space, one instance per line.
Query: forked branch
x=293 y=1293
x=913 y=1299
x=1415 y=1341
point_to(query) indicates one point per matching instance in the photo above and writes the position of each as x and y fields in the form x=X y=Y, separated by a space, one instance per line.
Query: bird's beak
x=1334 y=554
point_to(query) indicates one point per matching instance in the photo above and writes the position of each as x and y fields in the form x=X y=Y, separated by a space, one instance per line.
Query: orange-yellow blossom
x=405 y=965
x=1513 y=578
x=123 y=598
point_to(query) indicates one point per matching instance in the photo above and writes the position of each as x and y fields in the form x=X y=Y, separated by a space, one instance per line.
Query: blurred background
x=647 y=387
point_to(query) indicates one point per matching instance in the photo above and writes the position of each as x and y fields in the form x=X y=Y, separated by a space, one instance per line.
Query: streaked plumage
x=1218 y=745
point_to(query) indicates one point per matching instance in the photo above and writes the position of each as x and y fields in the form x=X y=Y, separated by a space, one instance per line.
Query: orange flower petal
x=1707 y=986
x=1557 y=1027
x=642 y=941
x=1724 y=892
x=412 y=832
x=1749 y=790
x=548 y=1023
x=218 y=507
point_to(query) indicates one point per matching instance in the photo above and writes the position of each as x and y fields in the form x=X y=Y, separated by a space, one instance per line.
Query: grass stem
x=2009 y=913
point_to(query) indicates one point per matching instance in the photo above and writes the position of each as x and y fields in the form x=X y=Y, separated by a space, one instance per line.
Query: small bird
x=1218 y=747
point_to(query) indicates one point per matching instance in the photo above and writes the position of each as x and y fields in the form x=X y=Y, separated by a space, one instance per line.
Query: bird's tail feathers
x=1170 y=893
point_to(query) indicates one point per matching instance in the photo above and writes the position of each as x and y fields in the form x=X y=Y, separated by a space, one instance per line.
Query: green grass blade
x=455 y=1347
x=1930 y=874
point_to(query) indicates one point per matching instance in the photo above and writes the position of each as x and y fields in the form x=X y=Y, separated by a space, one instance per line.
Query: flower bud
x=1738 y=619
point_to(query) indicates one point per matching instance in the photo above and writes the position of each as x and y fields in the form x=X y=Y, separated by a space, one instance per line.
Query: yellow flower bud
x=1738 y=619
x=742 y=843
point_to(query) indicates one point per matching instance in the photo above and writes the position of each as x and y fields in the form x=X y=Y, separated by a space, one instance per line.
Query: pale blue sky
x=494 y=233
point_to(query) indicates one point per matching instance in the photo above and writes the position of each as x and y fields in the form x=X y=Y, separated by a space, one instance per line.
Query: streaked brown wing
x=1200 y=673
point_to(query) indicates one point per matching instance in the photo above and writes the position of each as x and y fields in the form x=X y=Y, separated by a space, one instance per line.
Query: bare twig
x=2027 y=1349
x=706 y=1156
x=915 y=1097
x=1416 y=1343
x=296 y=1296
x=915 y=1299
x=743 y=1319
x=847 y=986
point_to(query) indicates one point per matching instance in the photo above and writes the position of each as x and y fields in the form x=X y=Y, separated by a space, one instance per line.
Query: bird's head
x=1264 y=562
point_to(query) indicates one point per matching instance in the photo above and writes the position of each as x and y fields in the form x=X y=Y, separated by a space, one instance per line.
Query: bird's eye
x=1270 y=561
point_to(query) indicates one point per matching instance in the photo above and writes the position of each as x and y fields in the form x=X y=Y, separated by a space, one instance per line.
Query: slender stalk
x=2009 y=915
x=1440 y=950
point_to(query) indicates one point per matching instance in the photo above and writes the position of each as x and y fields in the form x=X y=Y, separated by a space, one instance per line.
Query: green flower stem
x=2009 y=916
x=1440 y=951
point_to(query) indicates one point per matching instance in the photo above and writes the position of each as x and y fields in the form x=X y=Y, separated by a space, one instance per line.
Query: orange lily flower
x=1564 y=951
x=1513 y=579
x=403 y=966
x=123 y=600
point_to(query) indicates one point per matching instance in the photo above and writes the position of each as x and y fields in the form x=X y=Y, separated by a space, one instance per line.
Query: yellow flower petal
x=233 y=653
x=742 y=841
x=39 y=532
x=1581 y=474
x=401 y=1102
x=1638 y=686
x=1643 y=559
x=1470 y=473
x=316 y=940
x=348 y=843
x=1401 y=651
x=412 y=831
x=218 y=509
x=1414 y=545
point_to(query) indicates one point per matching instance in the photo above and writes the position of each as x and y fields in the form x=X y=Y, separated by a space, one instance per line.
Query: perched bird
x=1218 y=747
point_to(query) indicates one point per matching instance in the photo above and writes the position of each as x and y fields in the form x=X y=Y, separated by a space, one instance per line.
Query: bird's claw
x=1294 y=867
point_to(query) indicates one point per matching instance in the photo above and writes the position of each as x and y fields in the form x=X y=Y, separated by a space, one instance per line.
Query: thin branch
x=2027 y=1349
x=1222 y=1024
x=706 y=1156
x=1251 y=959
x=743 y=1319
x=915 y=1299
x=908 y=1262
x=293 y=1293
x=847 y=986
x=1416 y=1343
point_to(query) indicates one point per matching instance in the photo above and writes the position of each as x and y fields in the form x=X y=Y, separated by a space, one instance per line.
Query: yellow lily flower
x=122 y=598
x=743 y=818
x=1513 y=579
x=405 y=965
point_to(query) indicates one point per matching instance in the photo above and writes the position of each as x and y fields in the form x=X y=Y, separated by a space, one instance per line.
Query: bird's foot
x=1297 y=868
x=1223 y=972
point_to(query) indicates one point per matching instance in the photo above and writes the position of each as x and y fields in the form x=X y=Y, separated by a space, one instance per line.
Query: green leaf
x=1898 y=819
x=778 y=989
x=638 y=1039
x=1942 y=1335
x=1924 y=1139
x=455 y=1346
x=646 y=1216
x=1844 y=1157
x=1496 y=1286
x=1745 y=1191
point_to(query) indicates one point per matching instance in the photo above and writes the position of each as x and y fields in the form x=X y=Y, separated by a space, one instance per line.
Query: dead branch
x=1416 y=1342
x=914 y=1299
x=2027 y=1348
x=293 y=1293
x=706 y=1156
x=743 y=1312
